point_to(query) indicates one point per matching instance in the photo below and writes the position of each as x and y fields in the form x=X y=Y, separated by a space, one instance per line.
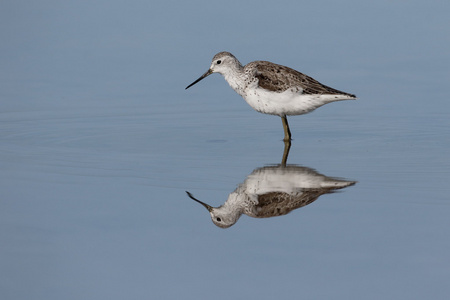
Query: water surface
x=99 y=142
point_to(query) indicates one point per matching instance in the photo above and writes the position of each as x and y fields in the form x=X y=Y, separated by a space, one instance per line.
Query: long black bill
x=208 y=207
x=209 y=72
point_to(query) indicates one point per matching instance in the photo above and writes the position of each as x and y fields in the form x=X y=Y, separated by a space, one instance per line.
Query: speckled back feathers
x=278 y=78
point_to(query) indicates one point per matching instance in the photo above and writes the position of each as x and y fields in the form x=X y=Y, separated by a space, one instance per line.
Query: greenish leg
x=287 y=132
x=287 y=146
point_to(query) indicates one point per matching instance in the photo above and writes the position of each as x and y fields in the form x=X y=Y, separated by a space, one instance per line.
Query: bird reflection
x=273 y=191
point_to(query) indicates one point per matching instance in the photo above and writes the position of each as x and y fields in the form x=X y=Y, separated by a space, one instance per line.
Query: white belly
x=287 y=102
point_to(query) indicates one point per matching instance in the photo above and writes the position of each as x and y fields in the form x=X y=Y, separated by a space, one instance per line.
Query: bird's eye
x=219 y=61
x=218 y=219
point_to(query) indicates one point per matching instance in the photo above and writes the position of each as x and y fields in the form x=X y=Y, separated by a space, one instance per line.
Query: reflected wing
x=278 y=203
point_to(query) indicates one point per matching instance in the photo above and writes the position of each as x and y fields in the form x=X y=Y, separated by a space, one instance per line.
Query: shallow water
x=98 y=146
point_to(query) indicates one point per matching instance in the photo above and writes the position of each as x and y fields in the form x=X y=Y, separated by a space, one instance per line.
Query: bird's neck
x=235 y=77
x=235 y=203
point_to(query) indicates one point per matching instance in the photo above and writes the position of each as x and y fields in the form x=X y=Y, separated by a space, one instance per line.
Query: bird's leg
x=287 y=132
x=287 y=146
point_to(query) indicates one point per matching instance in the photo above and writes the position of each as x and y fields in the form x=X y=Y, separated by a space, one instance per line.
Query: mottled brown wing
x=275 y=204
x=279 y=78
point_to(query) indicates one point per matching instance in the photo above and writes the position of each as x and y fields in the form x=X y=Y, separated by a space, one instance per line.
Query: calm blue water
x=99 y=142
